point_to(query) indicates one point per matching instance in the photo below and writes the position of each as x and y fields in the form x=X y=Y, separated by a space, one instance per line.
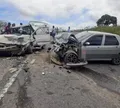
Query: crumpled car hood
x=14 y=39
x=62 y=38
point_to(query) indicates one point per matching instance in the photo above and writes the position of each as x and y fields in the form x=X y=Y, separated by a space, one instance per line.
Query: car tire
x=29 y=49
x=116 y=60
x=70 y=57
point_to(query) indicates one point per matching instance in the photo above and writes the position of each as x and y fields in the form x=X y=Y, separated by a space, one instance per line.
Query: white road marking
x=10 y=82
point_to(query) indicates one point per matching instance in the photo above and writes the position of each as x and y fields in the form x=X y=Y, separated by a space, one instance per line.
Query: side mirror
x=87 y=43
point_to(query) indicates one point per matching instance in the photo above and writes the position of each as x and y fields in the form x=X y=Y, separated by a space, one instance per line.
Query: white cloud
x=65 y=8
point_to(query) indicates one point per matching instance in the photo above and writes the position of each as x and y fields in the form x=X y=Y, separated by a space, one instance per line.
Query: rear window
x=111 y=40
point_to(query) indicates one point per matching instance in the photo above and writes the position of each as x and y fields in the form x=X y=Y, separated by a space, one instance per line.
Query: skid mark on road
x=110 y=83
x=23 y=100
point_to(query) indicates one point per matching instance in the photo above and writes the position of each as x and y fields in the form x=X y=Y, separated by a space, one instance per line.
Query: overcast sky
x=74 y=13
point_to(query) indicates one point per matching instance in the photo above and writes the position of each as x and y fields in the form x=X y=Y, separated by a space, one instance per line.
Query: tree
x=106 y=20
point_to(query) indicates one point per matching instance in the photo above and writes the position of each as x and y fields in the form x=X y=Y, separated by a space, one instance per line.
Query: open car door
x=41 y=31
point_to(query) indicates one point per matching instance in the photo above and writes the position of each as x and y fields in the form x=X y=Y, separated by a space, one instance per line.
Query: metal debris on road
x=12 y=70
x=60 y=67
x=26 y=69
x=37 y=52
x=25 y=62
x=8 y=58
x=43 y=73
x=33 y=61
x=68 y=71
x=54 y=59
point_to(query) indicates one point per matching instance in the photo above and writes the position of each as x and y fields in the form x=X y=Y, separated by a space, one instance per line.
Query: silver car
x=100 y=46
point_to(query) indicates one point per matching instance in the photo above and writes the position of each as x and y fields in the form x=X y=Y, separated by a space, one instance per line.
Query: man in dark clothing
x=53 y=33
x=8 y=29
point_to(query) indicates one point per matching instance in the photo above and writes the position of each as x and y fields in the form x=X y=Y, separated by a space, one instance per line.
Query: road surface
x=51 y=86
x=46 y=85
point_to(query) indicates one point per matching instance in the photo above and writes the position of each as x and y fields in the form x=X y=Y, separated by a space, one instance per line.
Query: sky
x=62 y=13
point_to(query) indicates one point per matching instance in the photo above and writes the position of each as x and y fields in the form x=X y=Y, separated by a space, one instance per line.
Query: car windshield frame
x=82 y=35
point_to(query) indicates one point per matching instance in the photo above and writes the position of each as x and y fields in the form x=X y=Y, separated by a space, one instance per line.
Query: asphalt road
x=51 y=86
x=6 y=64
x=97 y=85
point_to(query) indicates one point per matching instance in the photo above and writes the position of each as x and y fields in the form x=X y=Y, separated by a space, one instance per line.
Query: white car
x=19 y=43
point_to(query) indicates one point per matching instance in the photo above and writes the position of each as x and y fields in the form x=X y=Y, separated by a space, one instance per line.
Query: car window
x=42 y=31
x=111 y=40
x=95 y=40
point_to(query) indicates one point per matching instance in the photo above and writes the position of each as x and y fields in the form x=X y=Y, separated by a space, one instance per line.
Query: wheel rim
x=72 y=58
x=116 y=60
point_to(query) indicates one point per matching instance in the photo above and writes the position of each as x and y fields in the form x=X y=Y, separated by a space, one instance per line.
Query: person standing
x=8 y=28
x=53 y=33
x=21 y=29
x=68 y=29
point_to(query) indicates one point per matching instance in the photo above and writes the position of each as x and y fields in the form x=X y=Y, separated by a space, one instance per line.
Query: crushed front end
x=70 y=52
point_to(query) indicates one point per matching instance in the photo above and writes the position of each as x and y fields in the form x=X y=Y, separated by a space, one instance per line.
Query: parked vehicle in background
x=99 y=46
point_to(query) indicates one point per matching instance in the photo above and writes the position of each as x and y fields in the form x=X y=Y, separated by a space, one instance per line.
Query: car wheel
x=29 y=49
x=116 y=60
x=70 y=57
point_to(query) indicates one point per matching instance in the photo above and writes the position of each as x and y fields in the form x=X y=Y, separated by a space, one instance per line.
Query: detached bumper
x=77 y=64
x=55 y=59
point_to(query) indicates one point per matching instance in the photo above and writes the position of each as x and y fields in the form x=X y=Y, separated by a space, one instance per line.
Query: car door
x=111 y=46
x=93 y=49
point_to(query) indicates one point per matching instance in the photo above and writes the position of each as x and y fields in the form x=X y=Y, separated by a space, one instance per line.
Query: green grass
x=114 y=30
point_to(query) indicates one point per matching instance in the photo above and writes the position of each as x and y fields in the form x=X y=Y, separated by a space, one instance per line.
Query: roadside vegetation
x=114 y=29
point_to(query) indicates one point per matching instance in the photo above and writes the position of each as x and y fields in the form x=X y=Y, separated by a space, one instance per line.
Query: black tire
x=29 y=49
x=70 y=57
x=116 y=60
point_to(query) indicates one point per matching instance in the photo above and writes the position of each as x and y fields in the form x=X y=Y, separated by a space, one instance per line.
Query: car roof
x=98 y=32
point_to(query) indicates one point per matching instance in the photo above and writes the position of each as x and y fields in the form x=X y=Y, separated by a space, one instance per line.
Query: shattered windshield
x=63 y=38
x=25 y=30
